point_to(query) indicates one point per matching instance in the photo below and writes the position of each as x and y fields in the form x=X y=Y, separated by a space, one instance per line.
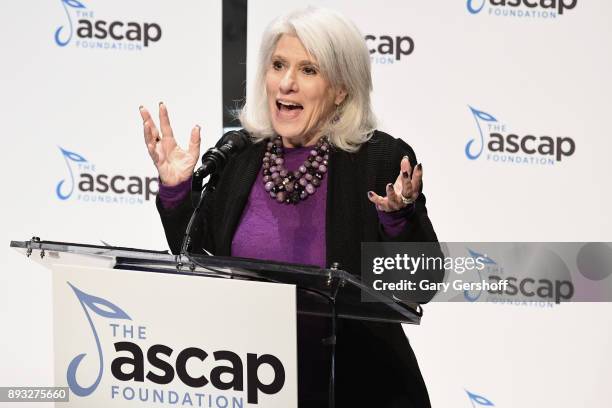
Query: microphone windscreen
x=239 y=138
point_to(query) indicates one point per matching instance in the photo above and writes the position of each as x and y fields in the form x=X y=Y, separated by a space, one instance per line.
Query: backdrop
x=505 y=103
x=75 y=165
x=456 y=79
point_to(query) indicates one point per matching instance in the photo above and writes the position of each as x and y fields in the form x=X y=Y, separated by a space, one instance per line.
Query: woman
x=316 y=183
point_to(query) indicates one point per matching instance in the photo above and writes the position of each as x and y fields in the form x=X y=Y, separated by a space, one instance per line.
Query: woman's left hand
x=403 y=192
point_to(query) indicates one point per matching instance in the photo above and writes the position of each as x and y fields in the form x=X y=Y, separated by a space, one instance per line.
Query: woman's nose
x=288 y=82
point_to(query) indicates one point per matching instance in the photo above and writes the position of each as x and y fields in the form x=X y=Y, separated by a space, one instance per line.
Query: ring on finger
x=406 y=200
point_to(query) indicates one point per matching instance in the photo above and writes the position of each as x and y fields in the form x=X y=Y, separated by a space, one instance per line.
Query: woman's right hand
x=174 y=164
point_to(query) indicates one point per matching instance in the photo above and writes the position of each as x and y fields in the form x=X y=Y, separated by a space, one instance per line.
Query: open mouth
x=284 y=106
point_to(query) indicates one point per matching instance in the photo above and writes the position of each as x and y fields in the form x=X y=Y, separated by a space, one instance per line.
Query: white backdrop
x=85 y=100
x=536 y=75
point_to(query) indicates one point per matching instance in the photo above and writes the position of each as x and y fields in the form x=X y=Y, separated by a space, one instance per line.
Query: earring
x=336 y=116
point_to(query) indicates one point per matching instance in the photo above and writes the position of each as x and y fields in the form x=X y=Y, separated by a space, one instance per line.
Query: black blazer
x=375 y=364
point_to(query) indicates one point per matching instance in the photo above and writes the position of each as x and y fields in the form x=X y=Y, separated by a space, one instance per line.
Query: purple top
x=291 y=233
x=171 y=196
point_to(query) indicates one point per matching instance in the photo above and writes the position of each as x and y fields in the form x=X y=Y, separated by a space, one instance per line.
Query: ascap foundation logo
x=140 y=368
x=388 y=49
x=84 y=29
x=86 y=184
x=524 y=9
x=496 y=143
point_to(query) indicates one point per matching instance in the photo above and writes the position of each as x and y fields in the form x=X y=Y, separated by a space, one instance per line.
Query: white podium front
x=131 y=338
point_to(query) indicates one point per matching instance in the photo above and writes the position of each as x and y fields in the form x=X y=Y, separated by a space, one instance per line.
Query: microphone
x=213 y=162
x=216 y=157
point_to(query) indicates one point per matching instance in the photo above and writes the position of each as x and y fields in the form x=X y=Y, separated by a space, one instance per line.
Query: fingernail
x=420 y=166
x=198 y=126
x=389 y=186
x=370 y=194
x=161 y=103
x=405 y=174
x=140 y=107
x=406 y=157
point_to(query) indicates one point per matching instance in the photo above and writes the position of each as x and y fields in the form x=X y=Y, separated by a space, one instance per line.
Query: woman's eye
x=277 y=65
x=309 y=70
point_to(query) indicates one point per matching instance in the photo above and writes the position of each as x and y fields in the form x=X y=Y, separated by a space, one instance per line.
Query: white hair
x=344 y=59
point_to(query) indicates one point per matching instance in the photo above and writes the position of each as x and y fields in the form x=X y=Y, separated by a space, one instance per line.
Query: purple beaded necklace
x=291 y=187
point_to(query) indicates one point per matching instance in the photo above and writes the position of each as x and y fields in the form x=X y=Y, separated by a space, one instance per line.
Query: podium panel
x=125 y=337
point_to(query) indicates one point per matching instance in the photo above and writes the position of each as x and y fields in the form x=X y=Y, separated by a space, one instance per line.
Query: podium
x=133 y=325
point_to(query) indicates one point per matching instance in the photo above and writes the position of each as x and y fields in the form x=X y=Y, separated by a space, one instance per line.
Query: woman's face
x=300 y=99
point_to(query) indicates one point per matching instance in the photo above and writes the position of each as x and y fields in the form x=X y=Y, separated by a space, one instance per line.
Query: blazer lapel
x=346 y=199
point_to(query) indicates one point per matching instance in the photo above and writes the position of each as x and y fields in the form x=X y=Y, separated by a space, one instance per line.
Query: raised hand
x=403 y=192
x=174 y=164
